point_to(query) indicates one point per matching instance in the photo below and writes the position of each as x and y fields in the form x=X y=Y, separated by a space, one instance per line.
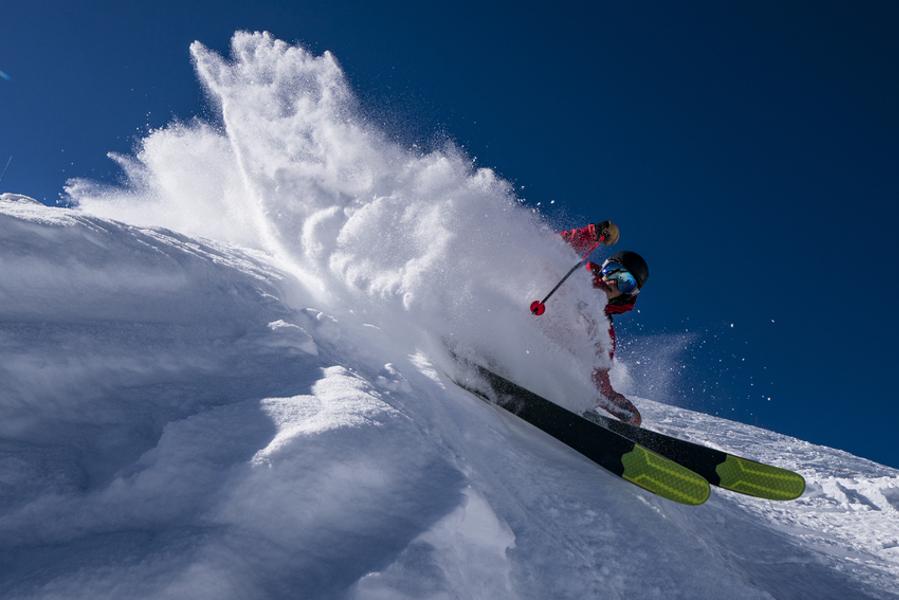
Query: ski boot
x=620 y=407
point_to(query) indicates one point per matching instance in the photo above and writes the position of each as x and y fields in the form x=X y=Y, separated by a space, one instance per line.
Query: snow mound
x=226 y=380
x=175 y=422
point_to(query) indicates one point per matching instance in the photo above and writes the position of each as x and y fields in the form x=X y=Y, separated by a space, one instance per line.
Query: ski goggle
x=625 y=282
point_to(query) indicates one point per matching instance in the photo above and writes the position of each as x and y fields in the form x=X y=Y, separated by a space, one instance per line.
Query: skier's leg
x=613 y=402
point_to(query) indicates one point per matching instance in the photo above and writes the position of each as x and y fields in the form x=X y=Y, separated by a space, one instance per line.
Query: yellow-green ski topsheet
x=664 y=477
x=763 y=481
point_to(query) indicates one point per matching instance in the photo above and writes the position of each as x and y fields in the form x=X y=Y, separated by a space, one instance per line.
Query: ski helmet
x=634 y=263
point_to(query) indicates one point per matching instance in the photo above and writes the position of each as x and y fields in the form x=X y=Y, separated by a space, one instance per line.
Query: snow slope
x=227 y=380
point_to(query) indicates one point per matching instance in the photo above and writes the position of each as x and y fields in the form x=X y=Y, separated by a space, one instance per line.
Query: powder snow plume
x=417 y=242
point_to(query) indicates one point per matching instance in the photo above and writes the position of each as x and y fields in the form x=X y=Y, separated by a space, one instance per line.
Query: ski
x=720 y=468
x=717 y=467
x=615 y=453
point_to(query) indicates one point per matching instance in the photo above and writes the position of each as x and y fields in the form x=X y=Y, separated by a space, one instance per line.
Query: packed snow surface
x=228 y=378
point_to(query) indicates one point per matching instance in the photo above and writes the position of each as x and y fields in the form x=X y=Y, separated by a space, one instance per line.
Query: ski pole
x=538 y=307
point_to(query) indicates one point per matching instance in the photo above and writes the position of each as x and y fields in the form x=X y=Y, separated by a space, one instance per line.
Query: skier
x=620 y=277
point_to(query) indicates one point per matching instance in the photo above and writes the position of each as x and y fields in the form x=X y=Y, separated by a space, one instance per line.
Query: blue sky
x=749 y=150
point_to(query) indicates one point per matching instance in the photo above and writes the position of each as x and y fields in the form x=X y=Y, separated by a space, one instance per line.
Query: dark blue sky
x=749 y=150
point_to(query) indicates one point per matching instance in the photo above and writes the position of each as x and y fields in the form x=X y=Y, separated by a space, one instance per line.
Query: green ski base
x=612 y=451
x=720 y=468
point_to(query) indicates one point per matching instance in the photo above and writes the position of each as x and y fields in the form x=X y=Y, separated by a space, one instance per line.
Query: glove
x=607 y=233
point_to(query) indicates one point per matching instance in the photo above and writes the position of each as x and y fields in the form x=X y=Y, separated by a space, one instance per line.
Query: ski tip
x=664 y=477
x=760 y=480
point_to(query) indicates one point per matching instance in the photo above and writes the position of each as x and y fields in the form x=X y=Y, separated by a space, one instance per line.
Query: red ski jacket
x=583 y=239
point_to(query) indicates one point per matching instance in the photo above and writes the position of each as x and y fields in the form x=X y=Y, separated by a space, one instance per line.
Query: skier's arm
x=585 y=239
x=581 y=239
